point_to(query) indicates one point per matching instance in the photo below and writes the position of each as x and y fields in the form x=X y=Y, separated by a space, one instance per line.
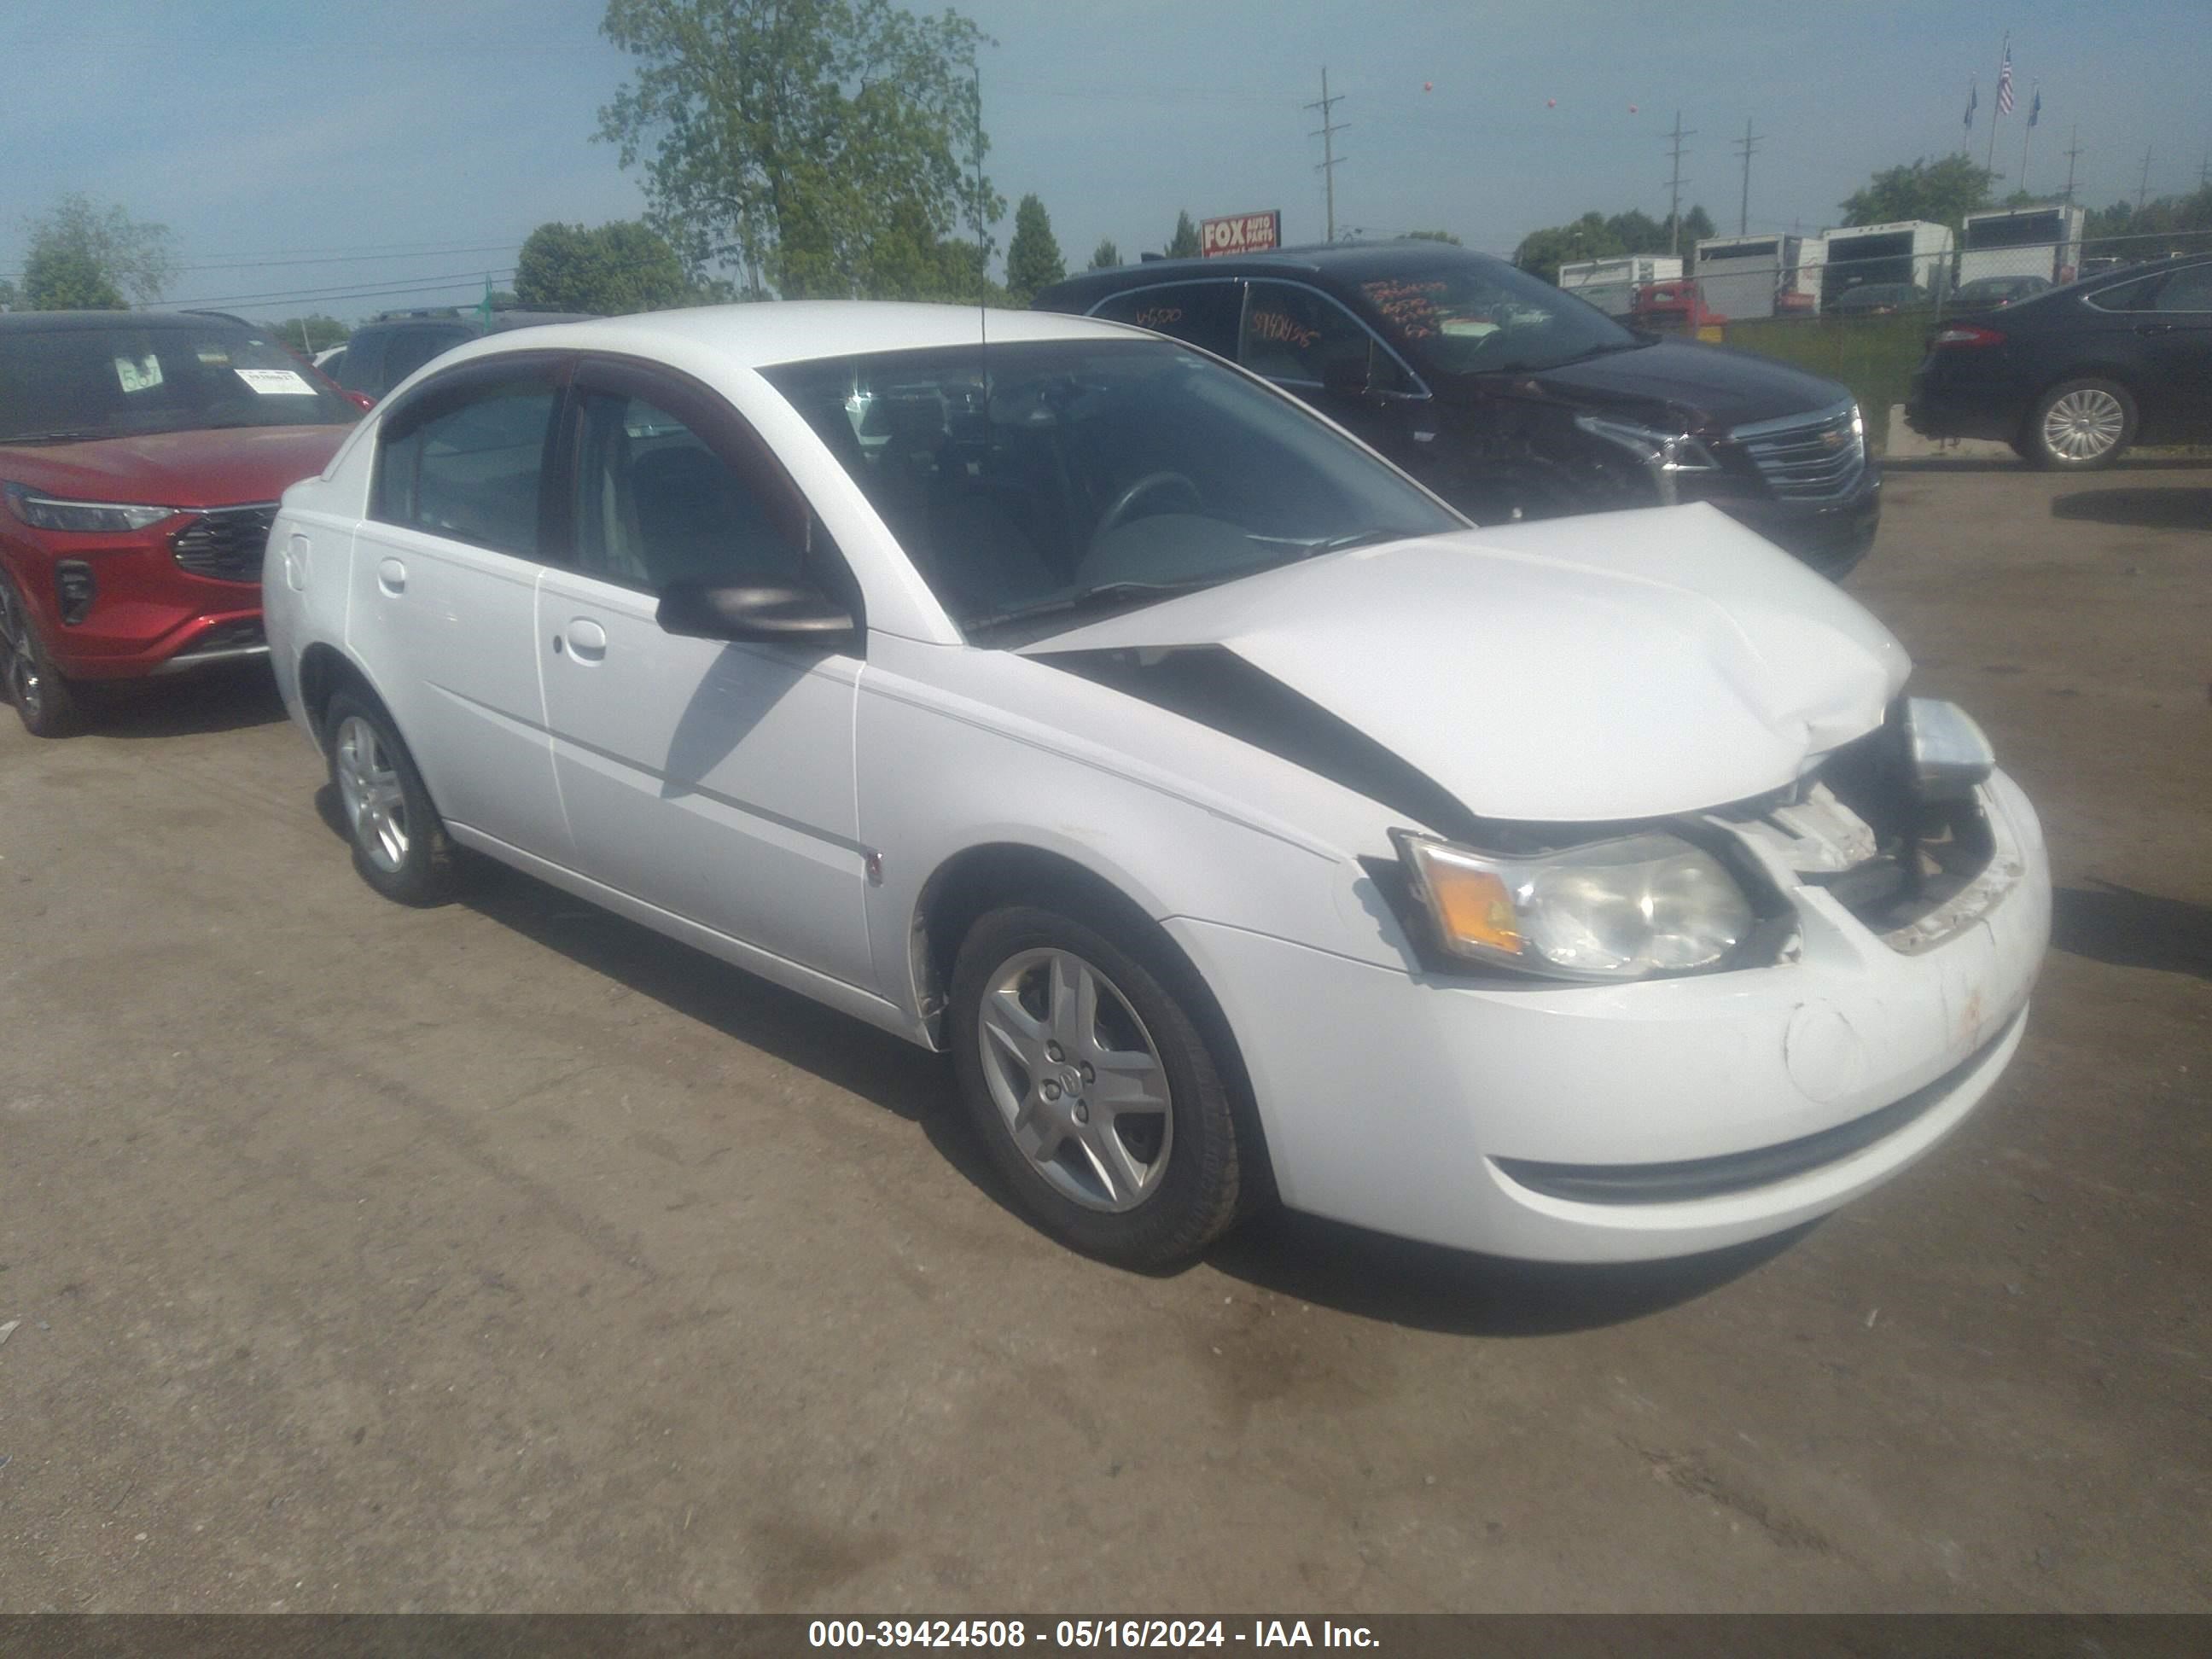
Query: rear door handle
x=587 y=640
x=2156 y=328
x=392 y=576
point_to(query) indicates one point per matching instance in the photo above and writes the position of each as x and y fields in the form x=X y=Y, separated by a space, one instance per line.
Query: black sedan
x=2071 y=378
x=1512 y=399
x=1879 y=299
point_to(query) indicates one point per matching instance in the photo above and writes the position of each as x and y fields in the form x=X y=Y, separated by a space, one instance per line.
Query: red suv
x=142 y=455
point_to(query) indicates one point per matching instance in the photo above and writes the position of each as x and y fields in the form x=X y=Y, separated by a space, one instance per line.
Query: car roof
x=758 y=334
x=45 y=322
x=1363 y=259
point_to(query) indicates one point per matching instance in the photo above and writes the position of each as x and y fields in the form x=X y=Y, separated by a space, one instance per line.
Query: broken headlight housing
x=1624 y=909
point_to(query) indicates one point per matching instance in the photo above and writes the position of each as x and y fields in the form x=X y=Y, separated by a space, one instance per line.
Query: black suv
x=383 y=352
x=1511 y=399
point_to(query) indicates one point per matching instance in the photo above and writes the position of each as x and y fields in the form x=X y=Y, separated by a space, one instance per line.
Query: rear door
x=714 y=780
x=2176 y=335
x=443 y=607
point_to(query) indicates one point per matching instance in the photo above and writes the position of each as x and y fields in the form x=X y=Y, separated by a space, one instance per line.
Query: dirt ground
x=506 y=1256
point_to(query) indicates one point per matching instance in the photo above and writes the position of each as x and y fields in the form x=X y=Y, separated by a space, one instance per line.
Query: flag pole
x=1996 y=114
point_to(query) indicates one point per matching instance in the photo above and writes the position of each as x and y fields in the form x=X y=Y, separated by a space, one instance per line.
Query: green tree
x=1433 y=236
x=67 y=279
x=83 y=251
x=7 y=294
x=1105 y=255
x=611 y=269
x=1183 y=245
x=1638 y=232
x=311 y=333
x=1542 y=252
x=1942 y=192
x=1033 y=260
x=1696 y=225
x=794 y=137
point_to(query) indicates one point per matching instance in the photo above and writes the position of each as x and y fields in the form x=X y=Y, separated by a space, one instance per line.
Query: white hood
x=1626 y=664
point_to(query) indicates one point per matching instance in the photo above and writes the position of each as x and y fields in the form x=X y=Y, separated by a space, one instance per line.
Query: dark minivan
x=1512 y=399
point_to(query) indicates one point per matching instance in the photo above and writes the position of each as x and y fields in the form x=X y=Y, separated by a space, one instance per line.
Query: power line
x=1674 y=187
x=1744 y=147
x=1326 y=133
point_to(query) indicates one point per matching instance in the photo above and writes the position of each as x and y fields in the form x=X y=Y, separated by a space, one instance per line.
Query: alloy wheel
x=18 y=662
x=1077 y=1079
x=369 y=788
x=2084 y=425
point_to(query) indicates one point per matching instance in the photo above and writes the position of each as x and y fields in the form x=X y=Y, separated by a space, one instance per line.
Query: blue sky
x=304 y=154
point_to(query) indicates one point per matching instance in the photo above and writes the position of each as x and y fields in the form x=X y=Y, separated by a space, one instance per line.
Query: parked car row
x=1246 y=823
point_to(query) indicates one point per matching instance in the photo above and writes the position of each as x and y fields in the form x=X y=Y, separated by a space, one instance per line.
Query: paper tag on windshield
x=138 y=373
x=275 y=382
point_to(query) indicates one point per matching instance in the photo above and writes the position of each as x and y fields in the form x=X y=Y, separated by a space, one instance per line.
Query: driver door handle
x=2156 y=328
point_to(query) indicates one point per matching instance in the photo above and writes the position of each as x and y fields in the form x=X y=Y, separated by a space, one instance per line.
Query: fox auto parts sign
x=1241 y=232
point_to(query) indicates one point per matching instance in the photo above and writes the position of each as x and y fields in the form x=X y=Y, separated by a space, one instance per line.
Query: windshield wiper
x=65 y=437
x=1107 y=593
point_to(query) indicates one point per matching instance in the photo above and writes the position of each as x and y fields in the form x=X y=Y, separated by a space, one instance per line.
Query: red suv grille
x=225 y=543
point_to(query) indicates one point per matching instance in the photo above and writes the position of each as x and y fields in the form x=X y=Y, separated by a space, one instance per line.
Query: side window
x=471 y=471
x=1202 y=313
x=355 y=367
x=1297 y=333
x=2139 y=296
x=2190 y=289
x=407 y=349
x=655 y=504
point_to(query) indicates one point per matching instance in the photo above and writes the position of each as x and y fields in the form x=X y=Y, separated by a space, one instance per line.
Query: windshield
x=128 y=379
x=1041 y=477
x=1482 y=317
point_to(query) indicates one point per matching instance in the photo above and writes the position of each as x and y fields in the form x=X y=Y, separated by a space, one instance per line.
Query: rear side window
x=407 y=349
x=1205 y=314
x=471 y=470
x=2187 y=290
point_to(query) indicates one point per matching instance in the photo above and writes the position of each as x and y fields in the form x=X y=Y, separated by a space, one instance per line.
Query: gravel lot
x=506 y=1256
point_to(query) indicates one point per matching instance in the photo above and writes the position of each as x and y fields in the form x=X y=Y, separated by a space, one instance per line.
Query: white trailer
x=2041 y=240
x=1744 y=276
x=1904 y=250
x=1611 y=284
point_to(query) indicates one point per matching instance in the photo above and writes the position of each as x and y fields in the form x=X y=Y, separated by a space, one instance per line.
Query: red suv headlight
x=83 y=518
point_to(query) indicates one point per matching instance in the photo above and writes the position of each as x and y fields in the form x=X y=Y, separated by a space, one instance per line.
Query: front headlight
x=83 y=518
x=1666 y=455
x=1619 y=909
x=1950 y=757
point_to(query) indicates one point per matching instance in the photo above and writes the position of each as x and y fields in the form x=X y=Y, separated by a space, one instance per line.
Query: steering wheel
x=1118 y=509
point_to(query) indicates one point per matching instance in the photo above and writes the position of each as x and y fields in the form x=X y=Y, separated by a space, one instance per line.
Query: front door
x=443 y=609
x=1309 y=344
x=2177 y=348
x=713 y=781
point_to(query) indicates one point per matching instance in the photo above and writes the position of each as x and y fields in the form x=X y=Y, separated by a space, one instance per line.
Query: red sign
x=1241 y=232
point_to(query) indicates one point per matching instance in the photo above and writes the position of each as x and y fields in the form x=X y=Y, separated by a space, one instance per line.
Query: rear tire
x=47 y=704
x=1091 y=1084
x=400 y=842
x=2080 y=425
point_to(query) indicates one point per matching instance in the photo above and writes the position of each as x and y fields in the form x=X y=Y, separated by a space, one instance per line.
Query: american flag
x=2004 y=82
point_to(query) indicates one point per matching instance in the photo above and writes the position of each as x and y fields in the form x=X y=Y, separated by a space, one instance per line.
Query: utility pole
x=2073 y=149
x=1326 y=133
x=2204 y=172
x=1674 y=188
x=1750 y=142
x=2142 y=190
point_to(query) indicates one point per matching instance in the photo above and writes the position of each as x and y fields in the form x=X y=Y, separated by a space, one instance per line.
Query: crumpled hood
x=1618 y=665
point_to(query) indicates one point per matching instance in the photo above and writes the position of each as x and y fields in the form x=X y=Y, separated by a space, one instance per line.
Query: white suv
x=1243 y=822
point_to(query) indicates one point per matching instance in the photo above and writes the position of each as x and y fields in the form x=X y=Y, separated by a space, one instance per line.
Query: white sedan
x=1246 y=823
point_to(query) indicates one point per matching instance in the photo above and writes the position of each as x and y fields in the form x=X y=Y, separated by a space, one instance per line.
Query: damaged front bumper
x=1654 y=1119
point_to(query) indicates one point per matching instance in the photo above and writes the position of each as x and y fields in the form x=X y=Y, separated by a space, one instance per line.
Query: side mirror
x=701 y=610
x=1346 y=376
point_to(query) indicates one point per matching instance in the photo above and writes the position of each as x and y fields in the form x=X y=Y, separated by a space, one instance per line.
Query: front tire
x=2078 y=426
x=1091 y=1084
x=400 y=842
x=47 y=704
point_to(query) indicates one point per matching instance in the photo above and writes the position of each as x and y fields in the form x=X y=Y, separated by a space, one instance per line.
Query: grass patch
x=1875 y=357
